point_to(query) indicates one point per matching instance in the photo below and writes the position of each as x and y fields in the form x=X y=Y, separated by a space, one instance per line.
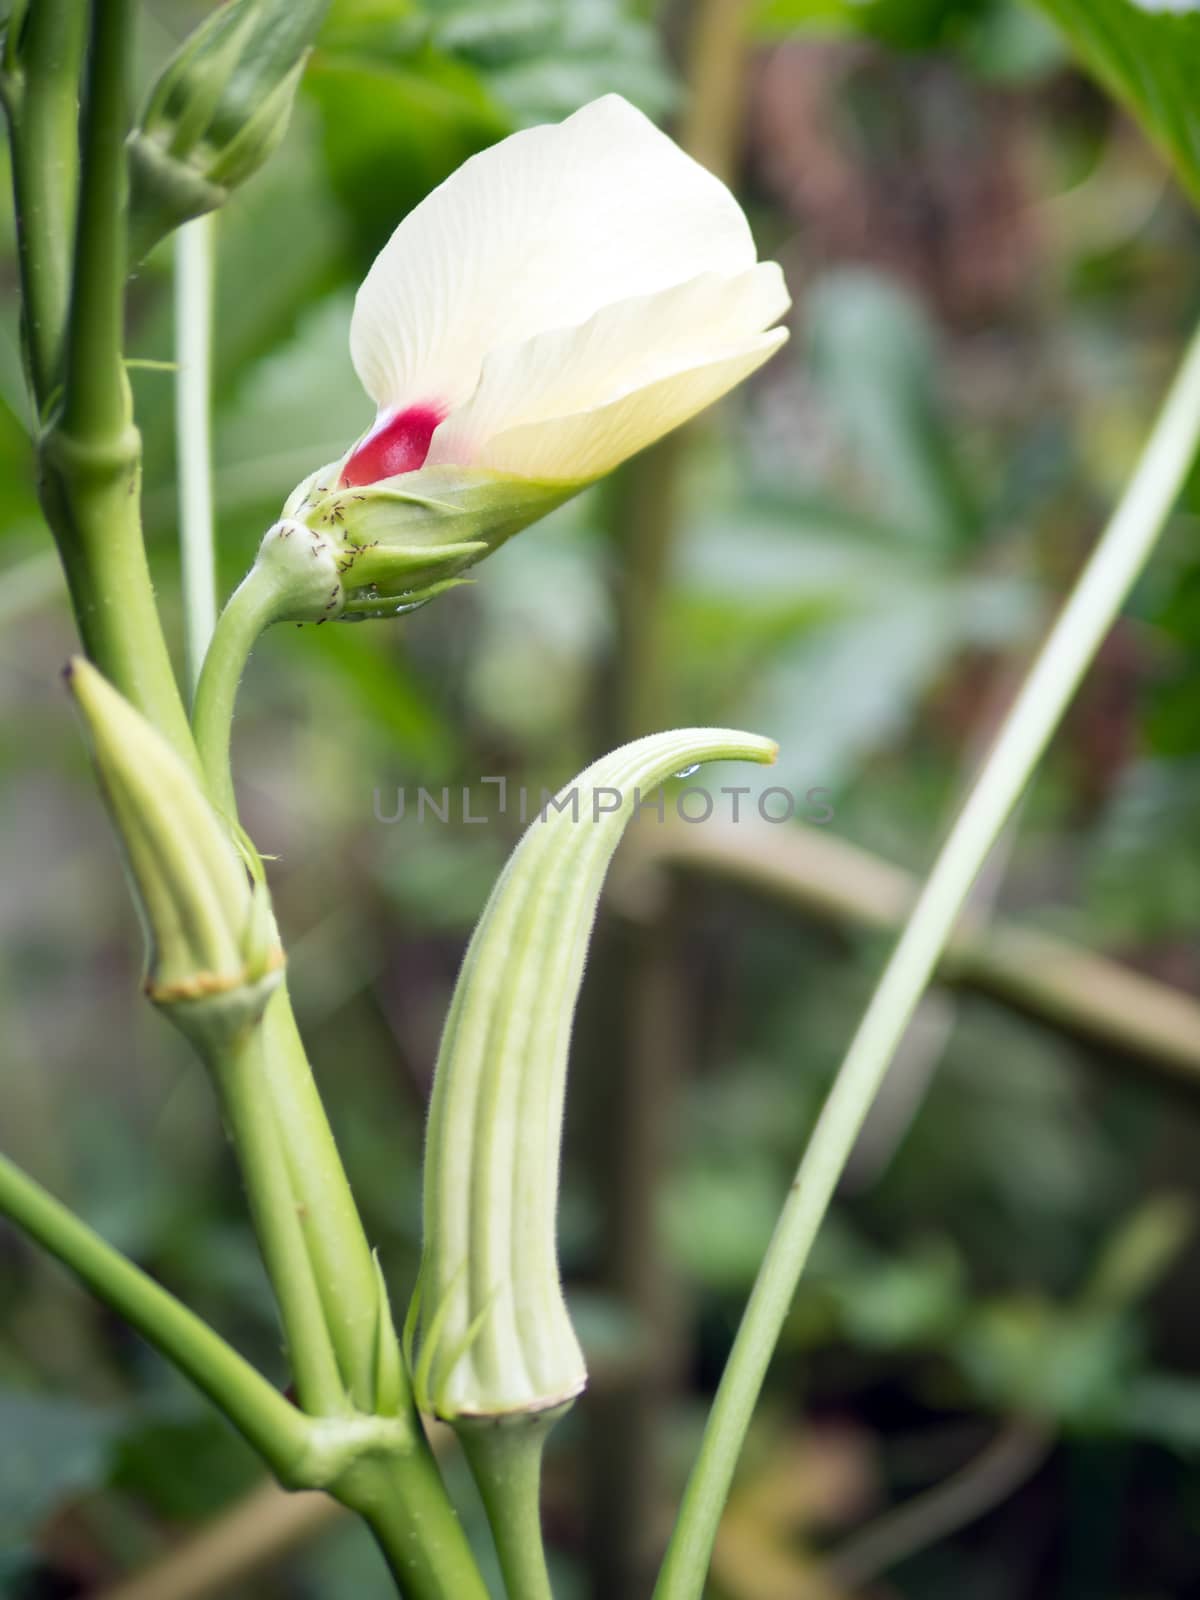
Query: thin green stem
x=402 y=1499
x=1073 y=641
x=270 y=1423
x=238 y=1069
x=43 y=120
x=341 y=1257
x=338 y=1247
x=345 y=1271
x=195 y=267
x=249 y=610
x=506 y=1461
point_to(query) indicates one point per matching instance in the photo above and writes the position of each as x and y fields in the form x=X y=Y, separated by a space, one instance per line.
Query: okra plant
x=567 y=297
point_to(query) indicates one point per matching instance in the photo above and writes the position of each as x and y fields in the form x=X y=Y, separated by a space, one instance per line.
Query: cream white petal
x=586 y=444
x=537 y=232
x=621 y=348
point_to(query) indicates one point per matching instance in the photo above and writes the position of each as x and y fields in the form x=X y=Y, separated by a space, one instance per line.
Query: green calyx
x=212 y=958
x=404 y=540
x=493 y=1335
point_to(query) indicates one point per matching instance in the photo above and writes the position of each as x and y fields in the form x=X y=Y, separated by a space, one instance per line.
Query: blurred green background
x=992 y=274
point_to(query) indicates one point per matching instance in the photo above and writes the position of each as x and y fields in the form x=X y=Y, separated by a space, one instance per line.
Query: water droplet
x=686 y=772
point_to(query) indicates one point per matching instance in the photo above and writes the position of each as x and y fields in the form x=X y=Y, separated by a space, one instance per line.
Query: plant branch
x=269 y=1422
x=1007 y=1462
x=250 y=609
x=238 y=1069
x=1040 y=975
x=341 y=1257
x=238 y=1545
x=1070 y=647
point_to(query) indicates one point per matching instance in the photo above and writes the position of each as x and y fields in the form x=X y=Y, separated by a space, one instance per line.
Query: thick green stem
x=323 y=1270
x=403 y=1502
x=195 y=258
x=269 y=1422
x=43 y=120
x=239 y=1071
x=89 y=495
x=505 y=1456
x=1064 y=658
x=96 y=398
x=90 y=455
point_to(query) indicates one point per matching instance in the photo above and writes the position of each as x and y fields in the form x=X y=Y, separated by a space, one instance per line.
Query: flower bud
x=212 y=958
x=495 y=1337
x=219 y=108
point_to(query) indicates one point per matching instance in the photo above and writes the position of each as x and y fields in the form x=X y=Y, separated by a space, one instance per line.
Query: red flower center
x=398 y=444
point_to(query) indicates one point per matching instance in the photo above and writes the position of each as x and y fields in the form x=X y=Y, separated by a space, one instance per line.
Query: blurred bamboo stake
x=1041 y=975
x=710 y=126
x=646 y=1018
x=263 y=1527
x=260 y=1530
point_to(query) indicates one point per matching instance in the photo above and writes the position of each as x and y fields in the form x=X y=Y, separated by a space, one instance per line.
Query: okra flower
x=561 y=301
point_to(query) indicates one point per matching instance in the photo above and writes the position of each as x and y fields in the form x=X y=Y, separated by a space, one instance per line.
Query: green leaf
x=1148 y=55
x=1026 y=1355
x=873 y=355
x=1139 y=1253
x=393 y=127
x=1164 y=1407
x=52 y=1449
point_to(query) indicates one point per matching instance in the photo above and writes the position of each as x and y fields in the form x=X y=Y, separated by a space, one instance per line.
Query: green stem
x=403 y=1502
x=96 y=398
x=250 y=610
x=506 y=1460
x=90 y=500
x=344 y=1268
x=269 y=1422
x=1077 y=634
x=238 y=1069
x=43 y=118
x=91 y=453
x=195 y=259
x=340 y=1254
